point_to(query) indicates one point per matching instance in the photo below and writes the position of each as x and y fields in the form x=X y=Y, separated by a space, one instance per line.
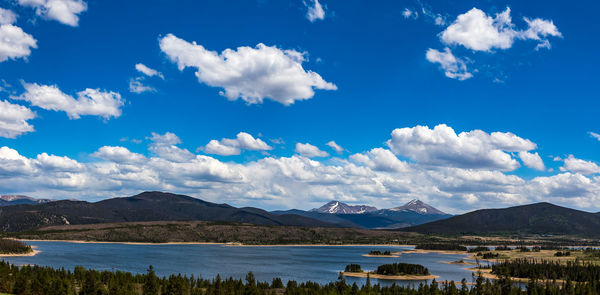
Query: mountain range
x=412 y=213
x=415 y=216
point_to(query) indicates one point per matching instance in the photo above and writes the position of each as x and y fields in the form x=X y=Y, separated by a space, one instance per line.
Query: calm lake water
x=306 y=263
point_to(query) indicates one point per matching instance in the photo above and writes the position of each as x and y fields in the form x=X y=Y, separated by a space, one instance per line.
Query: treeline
x=35 y=280
x=401 y=269
x=9 y=246
x=442 y=247
x=579 y=271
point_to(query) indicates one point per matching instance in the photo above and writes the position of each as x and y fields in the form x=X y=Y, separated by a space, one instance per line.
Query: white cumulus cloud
x=64 y=11
x=13 y=119
x=14 y=43
x=441 y=146
x=137 y=86
x=478 y=31
x=579 y=166
x=228 y=146
x=7 y=17
x=532 y=160
x=309 y=150
x=250 y=73
x=93 y=102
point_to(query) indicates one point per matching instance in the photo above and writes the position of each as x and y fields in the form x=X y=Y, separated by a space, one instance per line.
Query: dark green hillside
x=147 y=206
x=539 y=218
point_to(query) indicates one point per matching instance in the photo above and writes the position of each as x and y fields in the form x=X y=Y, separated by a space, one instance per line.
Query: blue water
x=306 y=263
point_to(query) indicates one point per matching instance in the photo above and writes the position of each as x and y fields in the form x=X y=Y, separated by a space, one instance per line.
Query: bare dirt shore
x=232 y=244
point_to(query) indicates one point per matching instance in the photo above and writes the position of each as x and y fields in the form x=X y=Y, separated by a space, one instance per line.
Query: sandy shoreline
x=212 y=243
x=388 y=256
x=384 y=277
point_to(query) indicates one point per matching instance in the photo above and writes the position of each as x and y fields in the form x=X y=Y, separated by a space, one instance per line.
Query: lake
x=300 y=263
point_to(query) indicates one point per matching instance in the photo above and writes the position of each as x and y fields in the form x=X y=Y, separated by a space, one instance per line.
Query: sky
x=290 y=104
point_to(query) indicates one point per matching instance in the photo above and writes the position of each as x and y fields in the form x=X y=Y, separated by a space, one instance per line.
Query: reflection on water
x=307 y=263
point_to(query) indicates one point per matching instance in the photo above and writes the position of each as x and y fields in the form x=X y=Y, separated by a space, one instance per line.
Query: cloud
x=165 y=146
x=7 y=17
x=136 y=86
x=595 y=135
x=14 y=43
x=453 y=67
x=579 y=166
x=63 y=11
x=315 y=10
x=13 y=119
x=228 y=147
x=380 y=159
x=441 y=146
x=93 y=102
x=477 y=31
x=119 y=155
x=252 y=74
x=336 y=147
x=532 y=160
x=376 y=177
x=148 y=71
x=408 y=13
x=309 y=150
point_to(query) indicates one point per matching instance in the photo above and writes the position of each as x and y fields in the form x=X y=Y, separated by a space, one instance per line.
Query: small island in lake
x=10 y=247
x=394 y=271
x=378 y=253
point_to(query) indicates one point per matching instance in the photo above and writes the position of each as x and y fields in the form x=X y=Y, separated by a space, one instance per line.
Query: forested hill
x=147 y=206
x=539 y=218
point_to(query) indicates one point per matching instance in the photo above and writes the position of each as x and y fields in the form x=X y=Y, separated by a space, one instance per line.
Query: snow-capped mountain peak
x=337 y=207
x=419 y=207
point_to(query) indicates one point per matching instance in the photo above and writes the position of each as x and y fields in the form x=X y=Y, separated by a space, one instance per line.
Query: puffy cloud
x=376 y=177
x=579 y=166
x=228 y=147
x=309 y=150
x=118 y=154
x=532 y=160
x=136 y=86
x=13 y=119
x=14 y=43
x=453 y=67
x=441 y=146
x=64 y=11
x=251 y=74
x=165 y=146
x=148 y=71
x=477 y=31
x=380 y=159
x=595 y=135
x=93 y=102
x=315 y=10
x=7 y=17
x=336 y=147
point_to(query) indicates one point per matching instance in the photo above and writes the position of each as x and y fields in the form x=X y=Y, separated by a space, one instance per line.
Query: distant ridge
x=337 y=207
x=539 y=218
x=10 y=200
x=418 y=206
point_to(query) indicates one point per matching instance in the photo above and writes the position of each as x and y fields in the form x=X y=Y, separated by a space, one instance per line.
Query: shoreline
x=386 y=277
x=230 y=244
x=386 y=256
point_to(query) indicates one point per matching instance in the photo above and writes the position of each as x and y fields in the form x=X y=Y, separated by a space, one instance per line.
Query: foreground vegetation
x=9 y=246
x=36 y=280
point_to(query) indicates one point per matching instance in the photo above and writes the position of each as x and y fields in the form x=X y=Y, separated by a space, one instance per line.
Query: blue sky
x=344 y=71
